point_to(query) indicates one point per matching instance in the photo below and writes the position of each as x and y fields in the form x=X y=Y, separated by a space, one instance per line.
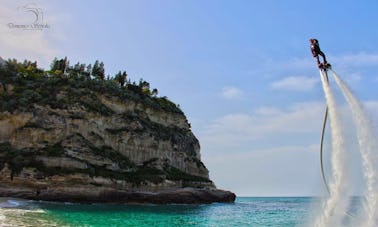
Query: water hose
x=322 y=141
x=321 y=149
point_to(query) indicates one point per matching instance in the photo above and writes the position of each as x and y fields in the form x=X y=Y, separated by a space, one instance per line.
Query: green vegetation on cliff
x=31 y=85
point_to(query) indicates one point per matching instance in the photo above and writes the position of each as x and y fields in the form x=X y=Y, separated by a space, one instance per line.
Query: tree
x=65 y=65
x=124 y=78
x=144 y=86
x=95 y=69
x=82 y=69
x=59 y=65
x=98 y=70
x=76 y=71
x=54 y=64
x=154 y=92
x=121 y=77
x=102 y=71
x=117 y=77
x=76 y=67
x=88 y=72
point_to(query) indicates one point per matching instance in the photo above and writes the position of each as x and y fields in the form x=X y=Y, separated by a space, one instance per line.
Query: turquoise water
x=246 y=211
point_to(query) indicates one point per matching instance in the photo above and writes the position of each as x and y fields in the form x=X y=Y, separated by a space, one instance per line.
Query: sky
x=241 y=71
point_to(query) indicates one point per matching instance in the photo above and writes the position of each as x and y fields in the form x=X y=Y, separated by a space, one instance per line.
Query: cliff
x=66 y=137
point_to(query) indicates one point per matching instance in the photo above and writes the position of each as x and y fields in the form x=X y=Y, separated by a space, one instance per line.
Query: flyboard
x=324 y=69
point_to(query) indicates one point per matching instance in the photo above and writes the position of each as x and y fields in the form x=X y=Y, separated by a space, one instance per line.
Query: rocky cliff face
x=67 y=139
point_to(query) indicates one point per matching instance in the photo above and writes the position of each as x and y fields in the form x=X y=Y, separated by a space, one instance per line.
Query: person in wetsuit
x=315 y=50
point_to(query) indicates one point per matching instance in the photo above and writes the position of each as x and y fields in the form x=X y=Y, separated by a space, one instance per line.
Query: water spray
x=368 y=146
x=334 y=206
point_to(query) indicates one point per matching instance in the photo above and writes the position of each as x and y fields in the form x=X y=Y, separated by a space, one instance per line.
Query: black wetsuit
x=315 y=50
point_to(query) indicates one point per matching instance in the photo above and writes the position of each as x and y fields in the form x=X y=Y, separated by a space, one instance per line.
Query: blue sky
x=242 y=71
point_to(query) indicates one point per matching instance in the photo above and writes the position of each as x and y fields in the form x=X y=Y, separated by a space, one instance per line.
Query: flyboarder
x=315 y=50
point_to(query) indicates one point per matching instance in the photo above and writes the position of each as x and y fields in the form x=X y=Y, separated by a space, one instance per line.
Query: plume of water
x=334 y=206
x=368 y=148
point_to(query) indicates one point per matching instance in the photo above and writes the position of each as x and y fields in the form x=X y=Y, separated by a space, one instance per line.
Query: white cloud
x=359 y=59
x=231 y=92
x=353 y=78
x=300 y=120
x=264 y=123
x=295 y=83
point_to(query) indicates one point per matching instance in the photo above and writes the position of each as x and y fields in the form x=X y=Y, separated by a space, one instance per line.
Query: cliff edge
x=69 y=136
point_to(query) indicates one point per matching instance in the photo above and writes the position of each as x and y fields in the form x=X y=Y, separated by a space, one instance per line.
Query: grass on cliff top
x=24 y=84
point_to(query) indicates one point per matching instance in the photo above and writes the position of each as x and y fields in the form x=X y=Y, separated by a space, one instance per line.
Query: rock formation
x=70 y=138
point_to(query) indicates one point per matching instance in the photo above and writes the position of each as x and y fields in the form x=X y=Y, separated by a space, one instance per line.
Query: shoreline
x=177 y=196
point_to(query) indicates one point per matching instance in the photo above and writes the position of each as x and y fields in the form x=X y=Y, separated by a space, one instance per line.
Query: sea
x=246 y=211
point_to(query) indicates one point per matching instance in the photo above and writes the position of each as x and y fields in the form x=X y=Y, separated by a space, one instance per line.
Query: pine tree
x=76 y=67
x=154 y=92
x=65 y=64
x=61 y=65
x=117 y=77
x=89 y=69
x=98 y=70
x=82 y=69
x=95 y=69
x=144 y=86
x=54 y=64
x=101 y=73
x=123 y=78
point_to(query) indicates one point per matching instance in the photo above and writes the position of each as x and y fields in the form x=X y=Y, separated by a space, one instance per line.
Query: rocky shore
x=173 y=196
